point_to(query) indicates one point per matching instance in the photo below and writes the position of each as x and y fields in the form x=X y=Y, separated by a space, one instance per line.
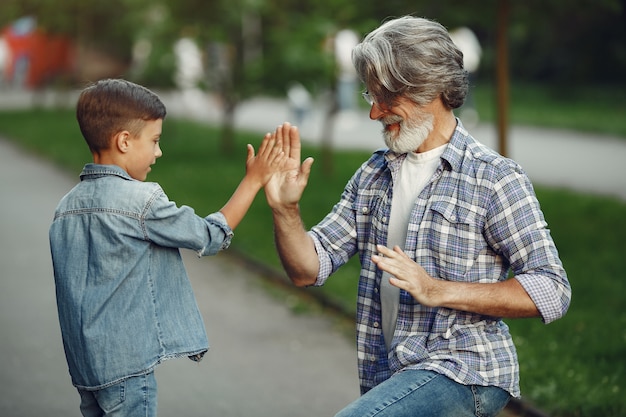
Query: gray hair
x=411 y=57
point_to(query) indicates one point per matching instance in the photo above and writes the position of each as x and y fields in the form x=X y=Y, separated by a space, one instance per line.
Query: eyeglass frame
x=369 y=99
x=372 y=102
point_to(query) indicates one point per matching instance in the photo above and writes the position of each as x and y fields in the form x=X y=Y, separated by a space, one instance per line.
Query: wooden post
x=502 y=76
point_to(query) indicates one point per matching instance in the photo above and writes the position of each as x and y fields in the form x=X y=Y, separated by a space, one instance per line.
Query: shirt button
x=376 y=324
x=365 y=210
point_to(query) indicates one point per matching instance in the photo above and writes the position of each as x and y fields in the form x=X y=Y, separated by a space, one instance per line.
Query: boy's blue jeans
x=133 y=397
x=420 y=393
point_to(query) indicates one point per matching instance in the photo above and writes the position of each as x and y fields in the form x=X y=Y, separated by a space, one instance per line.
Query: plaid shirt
x=475 y=220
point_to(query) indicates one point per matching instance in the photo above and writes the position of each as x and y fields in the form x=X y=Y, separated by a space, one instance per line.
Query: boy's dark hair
x=109 y=106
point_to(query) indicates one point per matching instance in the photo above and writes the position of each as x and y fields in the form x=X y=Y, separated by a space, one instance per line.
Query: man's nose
x=376 y=112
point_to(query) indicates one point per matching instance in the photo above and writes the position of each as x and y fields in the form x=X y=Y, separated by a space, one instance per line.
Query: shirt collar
x=92 y=171
x=453 y=154
x=456 y=147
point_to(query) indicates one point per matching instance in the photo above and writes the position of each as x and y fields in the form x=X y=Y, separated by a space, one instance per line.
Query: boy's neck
x=105 y=158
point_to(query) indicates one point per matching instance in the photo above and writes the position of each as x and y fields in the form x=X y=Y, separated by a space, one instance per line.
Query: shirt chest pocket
x=453 y=236
x=371 y=216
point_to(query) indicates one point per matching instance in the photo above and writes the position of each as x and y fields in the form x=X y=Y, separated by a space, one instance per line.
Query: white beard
x=412 y=133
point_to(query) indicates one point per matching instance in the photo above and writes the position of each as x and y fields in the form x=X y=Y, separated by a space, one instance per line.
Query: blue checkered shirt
x=476 y=220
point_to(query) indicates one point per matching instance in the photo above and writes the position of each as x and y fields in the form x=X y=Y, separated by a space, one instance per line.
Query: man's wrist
x=286 y=210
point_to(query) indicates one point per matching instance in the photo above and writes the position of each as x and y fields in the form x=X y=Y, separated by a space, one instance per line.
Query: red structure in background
x=36 y=57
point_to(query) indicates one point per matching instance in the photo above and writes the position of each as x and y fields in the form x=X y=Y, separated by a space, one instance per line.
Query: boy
x=124 y=300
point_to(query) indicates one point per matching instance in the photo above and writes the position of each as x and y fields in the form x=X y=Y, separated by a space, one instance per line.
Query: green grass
x=573 y=367
x=595 y=109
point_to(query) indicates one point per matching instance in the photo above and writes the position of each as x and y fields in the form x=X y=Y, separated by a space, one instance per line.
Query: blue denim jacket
x=125 y=302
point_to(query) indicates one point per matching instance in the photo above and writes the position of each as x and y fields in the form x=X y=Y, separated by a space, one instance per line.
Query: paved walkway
x=265 y=360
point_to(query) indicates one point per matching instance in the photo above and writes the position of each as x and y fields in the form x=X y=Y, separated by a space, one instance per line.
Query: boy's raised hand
x=270 y=159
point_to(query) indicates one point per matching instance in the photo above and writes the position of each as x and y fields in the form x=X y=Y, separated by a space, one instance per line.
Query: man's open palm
x=286 y=187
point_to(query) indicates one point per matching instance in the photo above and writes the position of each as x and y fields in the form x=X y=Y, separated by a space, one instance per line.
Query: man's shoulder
x=465 y=152
x=374 y=165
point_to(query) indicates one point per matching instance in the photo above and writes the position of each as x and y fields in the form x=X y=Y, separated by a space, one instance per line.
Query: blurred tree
x=565 y=43
x=555 y=42
x=230 y=33
x=154 y=63
x=558 y=41
x=261 y=46
x=300 y=47
x=108 y=26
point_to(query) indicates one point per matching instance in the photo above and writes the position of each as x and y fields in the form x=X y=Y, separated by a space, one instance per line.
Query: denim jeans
x=133 y=397
x=413 y=393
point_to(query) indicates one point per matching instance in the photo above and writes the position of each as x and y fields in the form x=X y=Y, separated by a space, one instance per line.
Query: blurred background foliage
x=262 y=47
x=270 y=43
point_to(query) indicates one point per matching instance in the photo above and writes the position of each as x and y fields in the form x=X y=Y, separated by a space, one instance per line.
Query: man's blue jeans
x=414 y=393
x=133 y=397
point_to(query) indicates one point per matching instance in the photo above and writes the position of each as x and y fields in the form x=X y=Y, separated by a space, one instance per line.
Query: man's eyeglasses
x=368 y=98
x=372 y=102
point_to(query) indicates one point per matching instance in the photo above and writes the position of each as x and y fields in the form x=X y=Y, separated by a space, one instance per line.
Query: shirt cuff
x=326 y=266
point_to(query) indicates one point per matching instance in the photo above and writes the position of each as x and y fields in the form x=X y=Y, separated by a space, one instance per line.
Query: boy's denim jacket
x=124 y=300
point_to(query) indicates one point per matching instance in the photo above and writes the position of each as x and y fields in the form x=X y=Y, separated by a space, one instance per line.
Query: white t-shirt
x=416 y=171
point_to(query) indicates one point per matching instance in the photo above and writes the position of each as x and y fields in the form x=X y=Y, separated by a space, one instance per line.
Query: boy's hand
x=270 y=159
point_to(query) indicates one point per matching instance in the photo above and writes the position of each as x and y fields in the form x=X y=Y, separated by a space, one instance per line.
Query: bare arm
x=283 y=192
x=295 y=247
x=259 y=169
x=502 y=299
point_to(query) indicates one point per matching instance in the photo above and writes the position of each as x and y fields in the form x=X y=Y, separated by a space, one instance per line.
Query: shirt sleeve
x=516 y=228
x=335 y=236
x=326 y=266
x=166 y=224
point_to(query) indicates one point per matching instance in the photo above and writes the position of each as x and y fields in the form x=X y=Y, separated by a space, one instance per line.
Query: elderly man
x=450 y=237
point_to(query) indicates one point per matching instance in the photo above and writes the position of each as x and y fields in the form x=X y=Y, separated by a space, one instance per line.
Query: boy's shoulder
x=114 y=174
x=109 y=186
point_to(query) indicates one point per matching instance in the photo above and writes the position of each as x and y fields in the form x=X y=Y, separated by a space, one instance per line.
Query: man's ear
x=122 y=141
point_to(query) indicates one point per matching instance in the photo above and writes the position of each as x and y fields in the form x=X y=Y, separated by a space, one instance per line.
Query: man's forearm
x=506 y=299
x=295 y=247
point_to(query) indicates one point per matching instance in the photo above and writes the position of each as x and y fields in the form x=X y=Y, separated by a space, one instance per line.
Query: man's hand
x=407 y=274
x=285 y=188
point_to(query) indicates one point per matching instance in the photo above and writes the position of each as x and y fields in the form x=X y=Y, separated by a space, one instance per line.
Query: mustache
x=390 y=120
